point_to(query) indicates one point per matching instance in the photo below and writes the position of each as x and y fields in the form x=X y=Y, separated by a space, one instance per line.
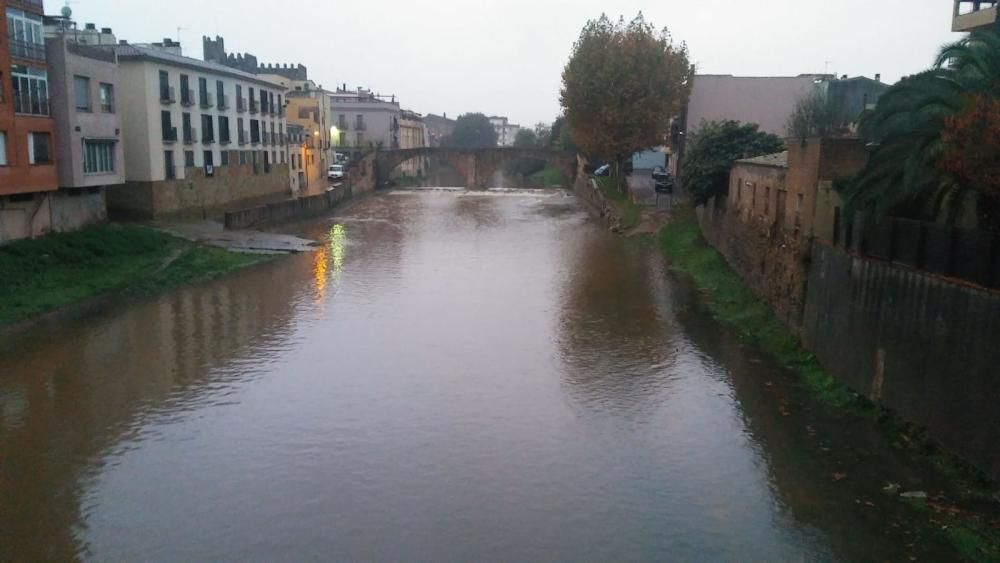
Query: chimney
x=878 y=77
x=106 y=30
x=90 y=27
x=844 y=77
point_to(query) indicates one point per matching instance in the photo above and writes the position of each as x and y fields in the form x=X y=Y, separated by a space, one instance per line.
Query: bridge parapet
x=477 y=166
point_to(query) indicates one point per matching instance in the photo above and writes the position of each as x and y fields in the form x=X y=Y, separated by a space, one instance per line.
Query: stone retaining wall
x=286 y=211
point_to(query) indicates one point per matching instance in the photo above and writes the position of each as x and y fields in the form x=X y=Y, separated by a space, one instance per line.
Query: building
x=506 y=131
x=851 y=97
x=198 y=135
x=297 y=156
x=439 y=128
x=306 y=104
x=412 y=135
x=83 y=83
x=364 y=120
x=974 y=15
x=28 y=175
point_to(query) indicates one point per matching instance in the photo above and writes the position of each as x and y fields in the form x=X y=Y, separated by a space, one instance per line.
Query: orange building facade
x=27 y=144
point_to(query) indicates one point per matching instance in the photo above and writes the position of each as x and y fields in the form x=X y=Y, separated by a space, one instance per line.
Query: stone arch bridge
x=477 y=166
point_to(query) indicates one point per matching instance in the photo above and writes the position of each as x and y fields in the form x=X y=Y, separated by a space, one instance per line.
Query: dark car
x=663 y=181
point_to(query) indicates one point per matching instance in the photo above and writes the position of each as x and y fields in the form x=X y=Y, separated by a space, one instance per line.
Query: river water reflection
x=453 y=376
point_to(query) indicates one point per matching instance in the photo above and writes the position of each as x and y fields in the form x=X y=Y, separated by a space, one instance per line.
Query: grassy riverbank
x=974 y=533
x=630 y=213
x=60 y=269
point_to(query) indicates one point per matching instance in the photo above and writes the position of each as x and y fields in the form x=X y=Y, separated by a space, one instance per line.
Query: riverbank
x=48 y=273
x=967 y=514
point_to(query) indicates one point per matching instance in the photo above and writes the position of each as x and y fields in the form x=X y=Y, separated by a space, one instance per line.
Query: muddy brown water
x=453 y=376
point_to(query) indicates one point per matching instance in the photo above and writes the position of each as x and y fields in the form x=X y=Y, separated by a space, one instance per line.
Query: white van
x=335 y=172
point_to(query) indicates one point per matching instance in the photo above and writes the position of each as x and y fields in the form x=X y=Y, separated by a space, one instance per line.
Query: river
x=453 y=376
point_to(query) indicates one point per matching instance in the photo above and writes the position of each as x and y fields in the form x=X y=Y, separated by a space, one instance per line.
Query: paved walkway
x=254 y=242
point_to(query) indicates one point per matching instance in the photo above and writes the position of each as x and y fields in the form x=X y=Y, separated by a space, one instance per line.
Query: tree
x=543 y=134
x=622 y=85
x=816 y=115
x=472 y=131
x=712 y=151
x=935 y=139
x=526 y=139
x=559 y=137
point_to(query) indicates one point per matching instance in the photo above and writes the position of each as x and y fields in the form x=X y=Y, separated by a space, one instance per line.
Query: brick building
x=28 y=175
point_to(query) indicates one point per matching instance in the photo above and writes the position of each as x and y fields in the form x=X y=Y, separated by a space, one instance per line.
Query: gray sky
x=506 y=56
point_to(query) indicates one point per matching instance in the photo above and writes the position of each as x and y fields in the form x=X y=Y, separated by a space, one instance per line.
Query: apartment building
x=309 y=108
x=974 y=15
x=364 y=120
x=298 y=155
x=198 y=135
x=439 y=128
x=83 y=82
x=506 y=131
x=28 y=175
x=412 y=135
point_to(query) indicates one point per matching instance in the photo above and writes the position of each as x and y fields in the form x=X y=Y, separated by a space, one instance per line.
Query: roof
x=134 y=52
x=778 y=160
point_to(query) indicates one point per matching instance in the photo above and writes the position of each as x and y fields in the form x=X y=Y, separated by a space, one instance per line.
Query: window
x=267 y=164
x=186 y=94
x=207 y=129
x=208 y=158
x=343 y=138
x=243 y=157
x=225 y=159
x=253 y=101
x=767 y=201
x=39 y=148
x=31 y=90
x=281 y=106
x=98 y=157
x=3 y=148
x=241 y=134
x=220 y=95
x=186 y=127
x=166 y=124
x=188 y=159
x=342 y=122
x=239 y=98
x=224 y=129
x=282 y=157
x=168 y=165
x=359 y=122
x=270 y=102
x=281 y=134
x=165 y=87
x=203 y=93
x=81 y=93
x=107 y=98
x=360 y=140
x=26 y=38
x=254 y=131
x=263 y=101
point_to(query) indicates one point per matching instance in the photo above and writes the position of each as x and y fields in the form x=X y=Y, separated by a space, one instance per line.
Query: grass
x=630 y=213
x=732 y=303
x=46 y=273
x=550 y=177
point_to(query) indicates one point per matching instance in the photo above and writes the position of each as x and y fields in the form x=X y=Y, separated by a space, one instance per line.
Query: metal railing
x=187 y=97
x=360 y=126
x=253 y=105
x=207 y=137
x=190 y=135
x=26 y=50
x=168 y=95
x=223 y=102
x=241 y=105
x=241 y=137
x=170 y=135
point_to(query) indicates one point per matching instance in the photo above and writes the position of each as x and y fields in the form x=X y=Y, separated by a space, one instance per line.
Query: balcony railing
x=241 y=105
x=206 y=100
x=360 y=126
x=187 y=97
x=241 y=137
x=207 y=137
x=253 y=106
x=190 y=135
x=170 y=135
x=27 y=104
x=222 y=102
x=26 y=50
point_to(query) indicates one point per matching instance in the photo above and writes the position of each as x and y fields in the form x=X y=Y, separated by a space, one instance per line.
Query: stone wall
x=286 y=211
x=922 y=345
x=197 y=192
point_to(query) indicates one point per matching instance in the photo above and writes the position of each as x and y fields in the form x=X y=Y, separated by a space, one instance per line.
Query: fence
x=968 y=255
x=285 y=211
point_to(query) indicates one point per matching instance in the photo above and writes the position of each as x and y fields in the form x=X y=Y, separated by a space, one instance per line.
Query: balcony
x=26 y=104
x=360 y=126
x=30 y=5
x=208 y=138
x=190 y=136
x=263 y=139
x=241 y=137
x=342 y=126
x=26 y=50
x=206 y=102
x=241 y=105
x=168 y=95
x=170 y=136
x=974 y=15
x=187 y=97
x=253 y=106
x=222 y=102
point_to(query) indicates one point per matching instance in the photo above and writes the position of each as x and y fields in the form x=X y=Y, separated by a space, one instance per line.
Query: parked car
x=335 y=172
x=603 y=170
x=664 y=182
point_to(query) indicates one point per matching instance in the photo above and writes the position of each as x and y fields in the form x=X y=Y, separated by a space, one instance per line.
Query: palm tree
x=914 y=133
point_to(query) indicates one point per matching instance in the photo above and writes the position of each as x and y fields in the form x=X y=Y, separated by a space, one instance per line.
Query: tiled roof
x=779 y=159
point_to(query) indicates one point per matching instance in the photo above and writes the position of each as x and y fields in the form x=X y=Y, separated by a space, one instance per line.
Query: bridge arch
x=477 y=166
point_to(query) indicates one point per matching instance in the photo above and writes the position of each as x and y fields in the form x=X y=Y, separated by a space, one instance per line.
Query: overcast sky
x=505 y=56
